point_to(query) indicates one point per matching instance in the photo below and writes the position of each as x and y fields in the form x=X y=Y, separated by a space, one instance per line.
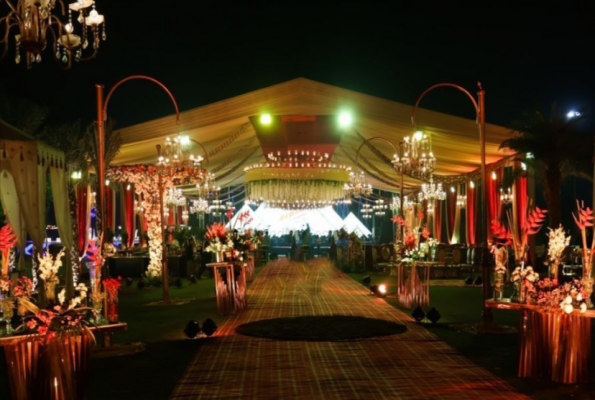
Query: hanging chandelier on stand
x=416 y=158
x=39 y=21
x=357 y=186
x=506 y=197
x=431 y=191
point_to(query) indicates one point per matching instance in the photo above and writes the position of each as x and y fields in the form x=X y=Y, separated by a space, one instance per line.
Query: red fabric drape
x=109 y=208
x=129 y=206
x=437 y=221
x=493 y=198
x=520 y=190
x=81 y=216
x=470 y=216
x=451 y=209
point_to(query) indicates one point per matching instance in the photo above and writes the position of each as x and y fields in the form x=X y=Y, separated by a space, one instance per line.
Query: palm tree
x=557 y=148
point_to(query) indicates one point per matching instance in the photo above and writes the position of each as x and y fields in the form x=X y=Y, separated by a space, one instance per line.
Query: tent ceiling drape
x=455 y=140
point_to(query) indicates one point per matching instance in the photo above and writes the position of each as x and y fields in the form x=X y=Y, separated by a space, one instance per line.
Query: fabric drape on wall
x=109 y=208
x=129 y=207
x=437 y=221
x=520 y=200
x=471 y=215
x=451 y=207
x=59 y=178
x=10 y=202
x=493 y=205
x=455 y=238
x=83 y=208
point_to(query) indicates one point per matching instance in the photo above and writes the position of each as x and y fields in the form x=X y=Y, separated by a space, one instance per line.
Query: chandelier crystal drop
x=367 y=211
x=380 y=208
x=175 y=197
x=199 y=206
x=506 y=197
x=67 y=30
x=357 y=186
x=461 y=201
x=431 y=191
x=416 y=157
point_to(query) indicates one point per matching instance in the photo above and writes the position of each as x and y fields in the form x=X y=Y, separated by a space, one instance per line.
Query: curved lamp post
x=479 y=105
x=101 y=118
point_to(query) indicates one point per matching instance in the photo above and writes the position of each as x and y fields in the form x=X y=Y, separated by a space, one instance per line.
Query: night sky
x=206 y=51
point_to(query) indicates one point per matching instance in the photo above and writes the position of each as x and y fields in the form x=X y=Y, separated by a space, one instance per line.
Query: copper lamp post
x=479 y=105
x=101 y=118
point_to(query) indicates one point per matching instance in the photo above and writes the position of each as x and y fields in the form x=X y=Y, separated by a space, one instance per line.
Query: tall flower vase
x=111 y=306
x=50 y=292
x=588 y=284
x=94 y=277
x=498 y=287
x=97 y=300
x=520 y=293
x=220 y=256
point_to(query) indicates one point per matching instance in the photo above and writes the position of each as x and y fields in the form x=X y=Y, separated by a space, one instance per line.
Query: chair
x=386 y=258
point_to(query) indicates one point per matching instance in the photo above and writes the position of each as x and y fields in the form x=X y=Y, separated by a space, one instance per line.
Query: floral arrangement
x=584 y=219
x=501 y=257
x=5 y=285
x=523 y=281
x=410 y=241
x=558 y=241
x=62 y=318
x=218 y=239
x=432 y=242
x=49 y=266
x=112 y=285
x=7 y=239
x=412 y=255
x=557 y=298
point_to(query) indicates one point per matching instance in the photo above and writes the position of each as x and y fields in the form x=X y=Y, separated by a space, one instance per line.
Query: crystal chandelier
x=39 y=21
x=380 y=208
x=185 y=216
x=367 y=211
x=357 y=185
x=506 y=197
x=173 y=158
x=174 y=197
x=431 y=208
x=395 y=204
x=416 y=157
x=200 y=206
x=216 y=207
x=207 y=186
x=431 y=191
x=461 y=201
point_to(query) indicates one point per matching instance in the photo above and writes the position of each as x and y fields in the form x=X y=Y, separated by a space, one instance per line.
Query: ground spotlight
x=191 y=330
x=469 y=281
x=128 y=282
x=192 y=279
x=478 y=281
x=381 y=290
x=418 y=314
x=374 y=290
x=209 y=327
x=433 y=315
x=367 y=281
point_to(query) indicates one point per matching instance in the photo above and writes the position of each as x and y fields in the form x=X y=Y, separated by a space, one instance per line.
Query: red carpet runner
x=413 y=365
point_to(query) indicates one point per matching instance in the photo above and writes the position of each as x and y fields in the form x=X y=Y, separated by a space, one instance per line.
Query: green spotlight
x=266 y=119
x=345 y=120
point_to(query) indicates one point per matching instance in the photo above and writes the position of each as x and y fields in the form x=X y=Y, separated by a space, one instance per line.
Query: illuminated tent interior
x=235 y=139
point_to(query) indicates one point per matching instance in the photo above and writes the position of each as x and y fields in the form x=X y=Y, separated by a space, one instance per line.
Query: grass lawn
x=497 y=353
x=152 y=374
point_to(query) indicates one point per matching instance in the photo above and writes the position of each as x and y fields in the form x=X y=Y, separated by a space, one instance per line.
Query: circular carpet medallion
x=321 y=328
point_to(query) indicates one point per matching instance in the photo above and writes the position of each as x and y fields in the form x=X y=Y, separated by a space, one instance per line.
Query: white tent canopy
x=351 y=223
x=251 y=221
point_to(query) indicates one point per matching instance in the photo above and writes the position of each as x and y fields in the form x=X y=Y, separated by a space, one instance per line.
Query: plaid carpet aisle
x=412 y=365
